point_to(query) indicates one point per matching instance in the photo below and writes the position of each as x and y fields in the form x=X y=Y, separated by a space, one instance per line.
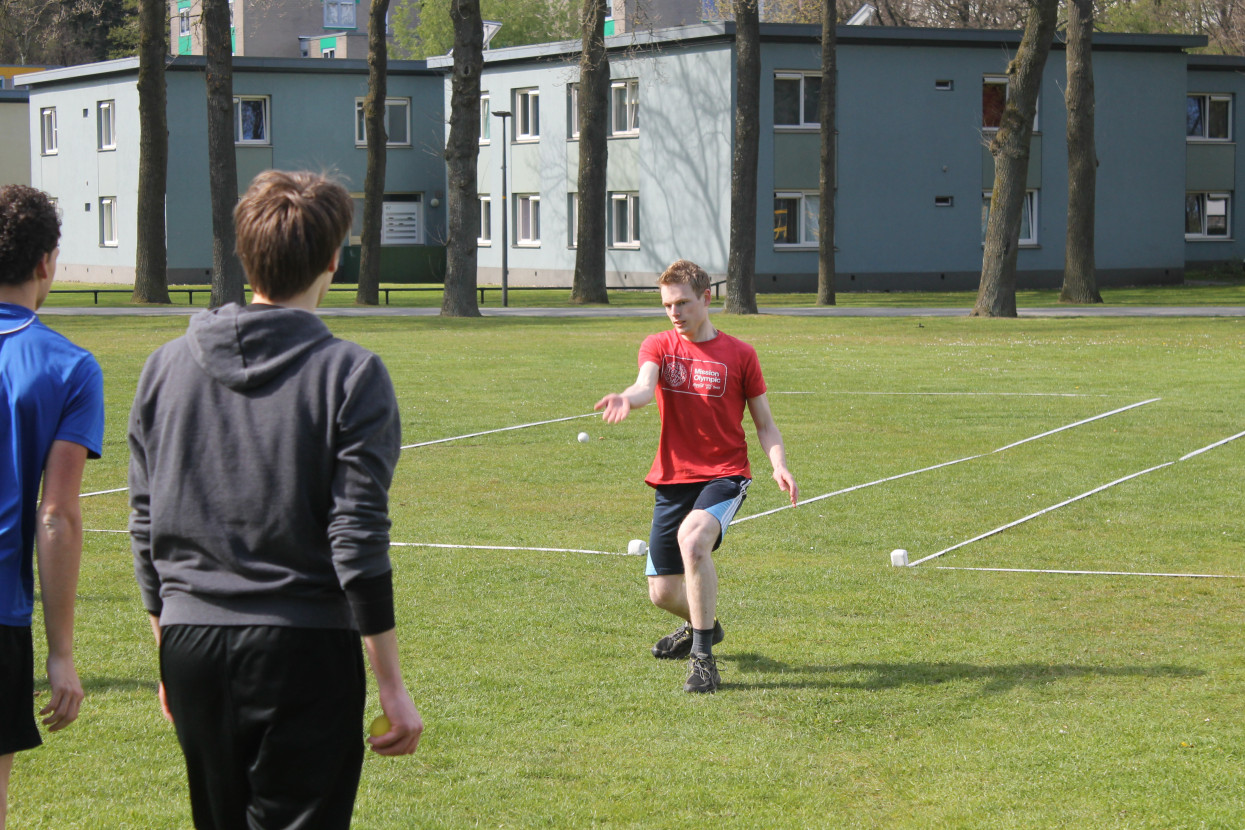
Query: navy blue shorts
x=17 y=690
x=720 y=498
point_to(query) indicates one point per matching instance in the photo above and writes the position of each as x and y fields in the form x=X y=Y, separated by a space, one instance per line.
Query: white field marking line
x=1041 y=512
x=104 y=492
x=1076 y=498
x=975 y=394
x=491 y=431
x=940 y=466
x=96 y=530
x=508 y=547
x=1090 y=573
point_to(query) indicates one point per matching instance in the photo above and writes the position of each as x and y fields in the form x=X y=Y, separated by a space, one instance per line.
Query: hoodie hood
x=245 y=347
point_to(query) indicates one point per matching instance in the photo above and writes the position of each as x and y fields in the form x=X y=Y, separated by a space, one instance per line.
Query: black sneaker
x=678 y=644
x=702 y=675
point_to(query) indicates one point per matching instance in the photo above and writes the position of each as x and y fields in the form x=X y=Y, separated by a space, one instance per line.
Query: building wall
x=272 y=28
x=1216 y=166
x=14 y=138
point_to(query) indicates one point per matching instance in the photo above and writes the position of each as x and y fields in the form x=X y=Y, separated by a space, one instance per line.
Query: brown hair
x=685 y=272
x=29 y=231
x=289 y=224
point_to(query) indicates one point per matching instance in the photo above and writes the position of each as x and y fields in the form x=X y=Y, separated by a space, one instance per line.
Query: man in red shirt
x=702 y=379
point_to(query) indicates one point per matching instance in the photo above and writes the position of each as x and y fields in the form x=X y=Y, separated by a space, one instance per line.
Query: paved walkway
x=830 y=311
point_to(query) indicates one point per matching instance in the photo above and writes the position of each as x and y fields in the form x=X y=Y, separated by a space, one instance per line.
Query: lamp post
x=505 y=214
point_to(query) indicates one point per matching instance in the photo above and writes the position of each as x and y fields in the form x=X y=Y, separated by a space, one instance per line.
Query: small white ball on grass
x=584 y=438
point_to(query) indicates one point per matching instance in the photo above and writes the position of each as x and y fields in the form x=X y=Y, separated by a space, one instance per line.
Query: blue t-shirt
x=50 y=390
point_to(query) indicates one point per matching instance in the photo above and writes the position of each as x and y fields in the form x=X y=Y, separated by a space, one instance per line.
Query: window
x=994 y=93
x=183 y=20
x=105 y=125
x=572 y=115
x=795 y=219
x=400 y=220
x=397 y=122
x=339 y=14
x=250 y=119
x=526 y=115
x=1206 y=216
x=330 y=52
x=944 y=85
x=1209 y=117
x=527 y=220
x=486 y=220
x=47 y=130
x=486 y=129
x=108 y=222
x=625 y=220
x=572 y=223
x=625 y=107
x=1028 y=217
x=796 y=99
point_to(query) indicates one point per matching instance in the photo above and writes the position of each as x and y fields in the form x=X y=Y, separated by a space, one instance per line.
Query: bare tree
x=826 y=116
x=368 y=292
x=462 y=152
x=1080 y=284
x=151 y=278
x=741 y=263
x=996 y=295
x=227 y=281
x=594 y=95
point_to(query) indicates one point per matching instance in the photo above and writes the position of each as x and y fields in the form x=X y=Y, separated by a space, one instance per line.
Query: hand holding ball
x=379 y=727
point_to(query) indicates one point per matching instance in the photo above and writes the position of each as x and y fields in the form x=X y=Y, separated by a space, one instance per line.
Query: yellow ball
x=379 y=727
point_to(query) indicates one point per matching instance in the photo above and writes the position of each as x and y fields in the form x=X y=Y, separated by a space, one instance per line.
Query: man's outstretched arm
x=619 y=404
x=771 y=442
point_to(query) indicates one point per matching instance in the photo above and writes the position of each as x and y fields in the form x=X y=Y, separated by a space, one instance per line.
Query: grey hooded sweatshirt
x=261 y=453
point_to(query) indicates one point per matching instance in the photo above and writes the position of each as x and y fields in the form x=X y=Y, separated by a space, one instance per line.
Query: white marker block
x=637 y=547
x=899 y=558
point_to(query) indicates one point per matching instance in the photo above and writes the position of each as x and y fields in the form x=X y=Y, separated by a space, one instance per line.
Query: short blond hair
x=685 y=272
x=289 y=224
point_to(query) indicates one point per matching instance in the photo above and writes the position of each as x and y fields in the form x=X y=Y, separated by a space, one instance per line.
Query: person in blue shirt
x=51 y=421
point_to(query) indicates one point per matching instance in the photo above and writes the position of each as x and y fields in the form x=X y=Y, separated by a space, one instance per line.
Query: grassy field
x=854 y=694
x=1218 y=288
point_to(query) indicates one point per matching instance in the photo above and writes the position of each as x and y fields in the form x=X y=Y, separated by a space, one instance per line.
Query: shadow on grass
x=93 y=685
x=881 y=676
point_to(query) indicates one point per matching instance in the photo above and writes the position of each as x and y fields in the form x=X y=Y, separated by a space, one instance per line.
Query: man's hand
x=405 y=724
x=67 y=694
x=616 y=406
x=786 y=483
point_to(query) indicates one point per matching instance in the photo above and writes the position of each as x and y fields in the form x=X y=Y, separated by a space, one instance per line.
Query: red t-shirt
x=702 y=390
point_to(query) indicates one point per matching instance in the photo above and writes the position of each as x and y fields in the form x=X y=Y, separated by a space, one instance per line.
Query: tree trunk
x=826 y=116
x=741 y=264
x=227 y=280
x=996 y=295
x=368 y=292
x=594 y=112
x=462 y=154
x=1080 y=285
x=151 y=278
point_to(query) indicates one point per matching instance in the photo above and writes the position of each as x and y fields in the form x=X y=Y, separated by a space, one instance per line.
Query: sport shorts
x=17 y=690
x=720 y=498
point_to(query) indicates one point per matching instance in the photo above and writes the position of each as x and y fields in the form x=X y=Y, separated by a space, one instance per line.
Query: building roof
x=1220 y=63
x=14 y=96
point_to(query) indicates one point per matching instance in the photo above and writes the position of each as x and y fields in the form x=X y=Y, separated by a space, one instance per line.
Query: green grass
x=854 y=694
x=1201 y=289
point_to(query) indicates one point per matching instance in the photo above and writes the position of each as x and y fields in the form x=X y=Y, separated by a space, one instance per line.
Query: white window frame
x=402 y=220
x=47 y=132
x=629 y=91
x=625 y=220
x=527 y=220
x=339 y=22
x=1032 y=204
x=572 y=220
x=328 y=53
x=808 y=236
x=1204 y=197
x=1005 y=82
x=804 y=119
x=266 y=104
x=360 y=127
x=485 y=238
x=106 y=124
x=183 y=27
x=108 y=222
x=1207 y=98
x=486 y=115
x=572 y=116
x=527 y=114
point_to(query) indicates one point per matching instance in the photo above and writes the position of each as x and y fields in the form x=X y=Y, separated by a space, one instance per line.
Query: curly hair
x=29 y=231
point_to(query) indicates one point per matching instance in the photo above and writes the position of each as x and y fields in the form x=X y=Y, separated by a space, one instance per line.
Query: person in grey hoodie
x=262 y=449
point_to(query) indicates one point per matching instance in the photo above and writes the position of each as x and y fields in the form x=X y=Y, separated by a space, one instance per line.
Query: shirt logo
x=693 y=377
